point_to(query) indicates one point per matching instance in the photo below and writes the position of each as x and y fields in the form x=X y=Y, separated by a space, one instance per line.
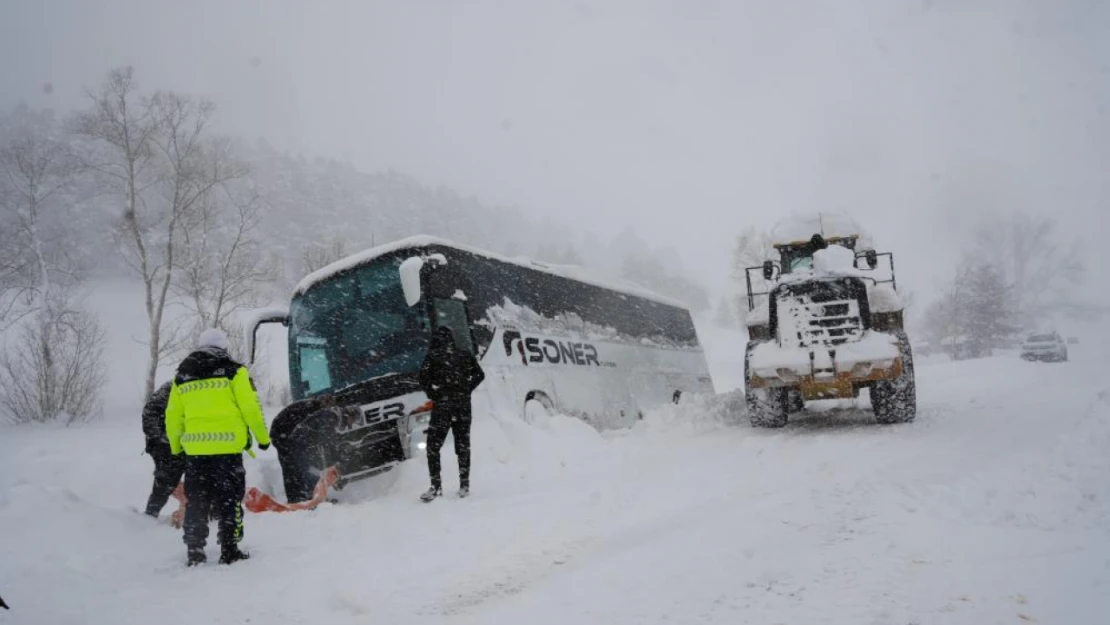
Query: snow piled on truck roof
x=801 y=228
x=572 y=272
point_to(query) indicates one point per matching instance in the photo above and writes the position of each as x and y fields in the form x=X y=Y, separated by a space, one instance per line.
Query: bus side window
x=451 y=313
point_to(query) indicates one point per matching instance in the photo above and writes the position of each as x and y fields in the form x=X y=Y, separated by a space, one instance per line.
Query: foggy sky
x=684 y=120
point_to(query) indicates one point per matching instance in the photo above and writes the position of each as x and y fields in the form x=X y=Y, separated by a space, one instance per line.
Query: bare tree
x=164 y=165
x=36 y=167
x=318 y=255
x=752 y=248
x=14 y=270
x=128 y=123
x=54 y=369
x=223 y=266
x=1030 y=257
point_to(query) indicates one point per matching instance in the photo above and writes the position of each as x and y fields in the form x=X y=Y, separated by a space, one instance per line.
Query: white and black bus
x=547 y=337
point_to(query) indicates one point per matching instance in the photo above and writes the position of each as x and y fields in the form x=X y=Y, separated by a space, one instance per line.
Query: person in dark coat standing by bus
x=168 y=468
x=448 y=376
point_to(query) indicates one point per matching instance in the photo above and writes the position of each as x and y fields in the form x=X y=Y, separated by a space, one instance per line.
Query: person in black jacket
x=168 y=468
x=304 y=435
x=448 y=376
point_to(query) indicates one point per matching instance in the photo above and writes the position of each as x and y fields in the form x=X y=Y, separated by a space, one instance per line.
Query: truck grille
x=803 y=322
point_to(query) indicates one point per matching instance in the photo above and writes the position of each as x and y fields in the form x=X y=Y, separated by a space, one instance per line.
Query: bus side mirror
x=410 y=279
x=768 y=270
x=413 y=272
x=258 y=318
x=872 y=258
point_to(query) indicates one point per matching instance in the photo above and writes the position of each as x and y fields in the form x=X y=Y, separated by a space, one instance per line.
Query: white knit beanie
x=213 y=337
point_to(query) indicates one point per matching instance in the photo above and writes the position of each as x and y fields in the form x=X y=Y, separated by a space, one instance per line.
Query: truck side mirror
x=768 y=270
x=872 y=258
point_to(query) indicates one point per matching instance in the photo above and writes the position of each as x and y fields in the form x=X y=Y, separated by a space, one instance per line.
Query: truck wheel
x=767 y=407
x=895 y=401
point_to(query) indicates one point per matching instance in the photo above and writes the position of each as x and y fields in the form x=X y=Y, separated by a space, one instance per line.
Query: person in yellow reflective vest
x=212 y=414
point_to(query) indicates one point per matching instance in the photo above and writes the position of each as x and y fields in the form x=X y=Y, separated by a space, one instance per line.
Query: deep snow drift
x=991 y=508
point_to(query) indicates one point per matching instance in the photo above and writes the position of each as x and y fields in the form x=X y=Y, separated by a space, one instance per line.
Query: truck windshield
x=795 y=258
x=354 y=327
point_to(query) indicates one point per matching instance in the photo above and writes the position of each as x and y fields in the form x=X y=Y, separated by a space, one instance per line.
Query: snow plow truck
x=825 y=321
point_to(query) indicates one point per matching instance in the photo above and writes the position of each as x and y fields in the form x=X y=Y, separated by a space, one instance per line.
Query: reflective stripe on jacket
x=215 y=415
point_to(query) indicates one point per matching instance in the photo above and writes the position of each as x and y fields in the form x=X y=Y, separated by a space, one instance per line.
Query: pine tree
x=988 y=309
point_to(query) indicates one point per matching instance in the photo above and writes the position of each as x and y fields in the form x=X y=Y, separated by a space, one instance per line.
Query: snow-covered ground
x=993 y=507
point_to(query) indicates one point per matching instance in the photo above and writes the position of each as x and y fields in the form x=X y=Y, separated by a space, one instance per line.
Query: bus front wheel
x=537 y=406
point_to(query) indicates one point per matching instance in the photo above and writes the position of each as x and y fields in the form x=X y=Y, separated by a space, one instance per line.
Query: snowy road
x=994 y=507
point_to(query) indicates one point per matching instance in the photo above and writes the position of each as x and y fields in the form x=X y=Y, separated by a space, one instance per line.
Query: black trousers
x=457 y=422
x=168 y=470
x=306 y=445
x=214 y=487
x=300 y=470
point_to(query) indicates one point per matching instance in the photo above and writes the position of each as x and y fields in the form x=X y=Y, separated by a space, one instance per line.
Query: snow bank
x=696 y=414
x=991 y=508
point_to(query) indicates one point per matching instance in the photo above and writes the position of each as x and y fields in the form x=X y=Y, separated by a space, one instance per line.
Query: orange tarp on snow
x=258 y=501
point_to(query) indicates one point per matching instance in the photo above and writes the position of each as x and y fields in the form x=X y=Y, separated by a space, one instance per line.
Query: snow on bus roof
x=572 y=272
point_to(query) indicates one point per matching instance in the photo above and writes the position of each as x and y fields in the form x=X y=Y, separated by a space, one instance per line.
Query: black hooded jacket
x=154 y=420
x=449 y=375
x=205 y=363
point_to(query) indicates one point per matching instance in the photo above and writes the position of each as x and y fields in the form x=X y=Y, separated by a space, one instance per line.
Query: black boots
x=196 y=556
x=230 y=554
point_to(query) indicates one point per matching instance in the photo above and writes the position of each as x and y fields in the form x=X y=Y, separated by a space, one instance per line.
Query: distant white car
x=1048 y=346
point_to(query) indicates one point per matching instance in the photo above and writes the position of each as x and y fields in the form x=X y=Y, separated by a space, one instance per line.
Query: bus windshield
x=354 y=327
